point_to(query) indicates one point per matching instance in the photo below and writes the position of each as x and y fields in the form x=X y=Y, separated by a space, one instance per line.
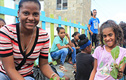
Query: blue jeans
x=63 y=53
x=5 y=77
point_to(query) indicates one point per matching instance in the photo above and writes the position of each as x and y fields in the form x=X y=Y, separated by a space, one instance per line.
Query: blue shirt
x=94 y=24
x=56 y=41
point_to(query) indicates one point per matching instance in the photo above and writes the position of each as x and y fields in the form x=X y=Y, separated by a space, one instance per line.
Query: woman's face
x=77 y=36
x=61 y=33
x=29 y=15
x=109 y=37
x=2 y=24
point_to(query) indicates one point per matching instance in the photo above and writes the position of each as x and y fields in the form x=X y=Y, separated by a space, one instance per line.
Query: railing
x=51 y=20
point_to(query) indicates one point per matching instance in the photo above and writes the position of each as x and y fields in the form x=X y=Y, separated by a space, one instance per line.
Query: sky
x=110 y=9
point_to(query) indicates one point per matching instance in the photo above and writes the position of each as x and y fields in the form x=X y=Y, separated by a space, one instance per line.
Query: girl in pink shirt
x=111 y=35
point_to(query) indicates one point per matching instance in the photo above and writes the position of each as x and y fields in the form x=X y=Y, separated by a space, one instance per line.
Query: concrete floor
x=70 y=69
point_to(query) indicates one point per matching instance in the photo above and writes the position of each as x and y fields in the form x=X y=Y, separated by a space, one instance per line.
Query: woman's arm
x=46 y=69
x=94 y=70
x=9 y=66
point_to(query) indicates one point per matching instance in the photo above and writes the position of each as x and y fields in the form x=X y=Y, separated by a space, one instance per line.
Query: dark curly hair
x=123 y=26
x=75 y=33
x=116 y=29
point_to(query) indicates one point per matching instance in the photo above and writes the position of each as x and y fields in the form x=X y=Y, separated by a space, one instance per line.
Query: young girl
x=2 y=22
x=74 y=44
x=84 y=59
x=22 y=43
x=110 y=36
x=60 y=48
x=75 y=41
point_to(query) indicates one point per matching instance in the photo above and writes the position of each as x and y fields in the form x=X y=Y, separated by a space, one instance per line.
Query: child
x=2 y=22
x=75 y=41
x=22 y=43
x=84 y=59
x=60 y=48
x=123 y=26
x=111 y=35
x=74 y=44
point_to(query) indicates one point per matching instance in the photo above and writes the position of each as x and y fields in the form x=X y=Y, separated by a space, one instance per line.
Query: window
x=61 y=4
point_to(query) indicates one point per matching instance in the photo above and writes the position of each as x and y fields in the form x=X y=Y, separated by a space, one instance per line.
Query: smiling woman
x=22 y=43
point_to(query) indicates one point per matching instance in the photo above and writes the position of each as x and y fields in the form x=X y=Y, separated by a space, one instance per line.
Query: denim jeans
x=61 y=54
x=5 y=77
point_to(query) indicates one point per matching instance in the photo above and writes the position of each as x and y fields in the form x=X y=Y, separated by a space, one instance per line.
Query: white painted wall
x=9 y=4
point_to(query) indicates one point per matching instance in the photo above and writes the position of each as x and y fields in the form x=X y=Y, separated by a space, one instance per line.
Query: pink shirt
x=104 y=62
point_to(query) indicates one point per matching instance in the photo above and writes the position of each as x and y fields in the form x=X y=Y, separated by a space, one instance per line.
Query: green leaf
x=115 y=52
x=114 y=73
x=51 y=79
x=123 y=61
x=54 y=63
x=62 y=78
x=55 y=78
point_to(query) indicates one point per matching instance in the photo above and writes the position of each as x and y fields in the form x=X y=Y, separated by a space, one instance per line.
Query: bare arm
x=90 y=29
x=61 y=47
x=70 y=43
x=8 y=63
x=74 y=46
x=46 y=69
x=94 y=70
x=66 y=46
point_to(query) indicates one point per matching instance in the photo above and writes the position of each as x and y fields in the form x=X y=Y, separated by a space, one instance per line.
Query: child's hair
x=75 y=33
x=58 y=29
x=116 y=29
x=35 y=1
x=2 y=20
x=123 y=26
x=84 y=42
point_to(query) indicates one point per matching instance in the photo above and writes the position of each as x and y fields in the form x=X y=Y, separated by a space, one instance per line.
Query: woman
x=22 y=43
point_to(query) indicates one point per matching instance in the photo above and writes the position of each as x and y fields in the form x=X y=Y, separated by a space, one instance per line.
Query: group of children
x=22 y=43
x=90 y=67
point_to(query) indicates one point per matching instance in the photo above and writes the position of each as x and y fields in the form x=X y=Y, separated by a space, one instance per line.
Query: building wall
x=78 y=10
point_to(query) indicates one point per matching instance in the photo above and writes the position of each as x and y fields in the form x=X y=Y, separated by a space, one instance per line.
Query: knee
x=65 y=51
x=74 y=49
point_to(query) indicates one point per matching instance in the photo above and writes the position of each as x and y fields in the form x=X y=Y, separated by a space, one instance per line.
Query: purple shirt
x=105 y=62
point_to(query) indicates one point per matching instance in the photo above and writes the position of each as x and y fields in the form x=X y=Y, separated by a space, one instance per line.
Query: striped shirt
x=10 y=45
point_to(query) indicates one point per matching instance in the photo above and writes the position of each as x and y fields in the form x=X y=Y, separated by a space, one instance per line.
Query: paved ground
x=70 y=69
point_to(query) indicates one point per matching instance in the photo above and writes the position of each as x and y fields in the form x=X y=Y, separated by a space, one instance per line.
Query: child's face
x=89 y=49
x=62 y=33
x=109 y=37
x=29 y=15
x=77 y=36
x=2 y=24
